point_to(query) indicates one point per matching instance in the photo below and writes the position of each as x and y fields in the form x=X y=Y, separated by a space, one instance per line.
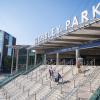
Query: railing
x=20 y=71
x=23 y=87
x=32 y=68
x=34 y=94
x=11 y=77
x=74 y=92
x=20 y=86
x=36 y=81
x=56 y=87
x=43 y=85
x=90 y=61
x=8 y=79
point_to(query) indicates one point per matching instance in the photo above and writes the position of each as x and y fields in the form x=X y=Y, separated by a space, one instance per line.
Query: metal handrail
x=23 y=85
x=56 y=87
x=91 y=62
x=42 y=86
x=17 y=85
x=88 y=79
x=34 y=72
x=38 y=81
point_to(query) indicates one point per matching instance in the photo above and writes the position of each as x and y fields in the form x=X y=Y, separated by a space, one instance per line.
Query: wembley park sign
x=84 y=17
x=70 y=25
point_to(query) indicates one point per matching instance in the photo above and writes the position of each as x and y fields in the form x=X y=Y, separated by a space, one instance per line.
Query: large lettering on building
x=70 y=25
x=84 y=17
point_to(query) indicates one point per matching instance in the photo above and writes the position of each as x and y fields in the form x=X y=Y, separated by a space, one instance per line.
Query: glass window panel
x=10 y=43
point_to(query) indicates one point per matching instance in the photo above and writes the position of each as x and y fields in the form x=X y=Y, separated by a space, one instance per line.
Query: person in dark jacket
x=57 y=76
x=50 y=72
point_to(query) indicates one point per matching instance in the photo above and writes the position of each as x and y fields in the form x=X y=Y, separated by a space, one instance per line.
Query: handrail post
x=84 y=73
x=28 y=92
x=9 y=97
x=77 y=95
x=31 y=77
x=27 y=76
x=62 y=70
x=72 y=71
x=32 y=72
x=19 y=85
x=46 y=77
x=14 y=81
x=41 y=72
x=50 y=85
x=61 y=88
x=6 y=95
x=74 y=83
x=39 y=75
x=42 y=81
x=35 y=96
x=16 y=84
x=36 y=75
x=94 y=61
x=23 y=88
x=90 y=87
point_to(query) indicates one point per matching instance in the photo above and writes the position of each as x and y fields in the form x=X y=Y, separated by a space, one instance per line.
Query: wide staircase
x=37 y=85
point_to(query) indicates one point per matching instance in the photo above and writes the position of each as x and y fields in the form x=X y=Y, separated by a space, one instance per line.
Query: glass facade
x=1 y=46
x=10 y=42
x=6 y=52
x=1 y=41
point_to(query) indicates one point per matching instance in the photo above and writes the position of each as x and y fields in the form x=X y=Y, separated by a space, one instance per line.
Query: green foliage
x=7 y=61
x=14 y=61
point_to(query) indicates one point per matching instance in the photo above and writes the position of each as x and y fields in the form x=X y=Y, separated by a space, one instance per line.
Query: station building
x=5 y=52
x=72 y=44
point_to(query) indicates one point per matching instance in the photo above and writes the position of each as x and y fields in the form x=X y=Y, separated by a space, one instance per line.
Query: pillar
x=77 y=56
x=35 y=59
x=45 y=59
x=77 y=60
x=12 y=61
x=27 y=59
x=57 y=58
x=17 y=59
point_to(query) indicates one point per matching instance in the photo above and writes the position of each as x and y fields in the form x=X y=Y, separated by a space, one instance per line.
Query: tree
x=7 y=63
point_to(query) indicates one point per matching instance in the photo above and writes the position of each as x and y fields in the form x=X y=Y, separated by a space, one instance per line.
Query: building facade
x=6 y=52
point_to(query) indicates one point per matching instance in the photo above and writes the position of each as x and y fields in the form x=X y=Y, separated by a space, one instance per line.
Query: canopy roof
x=83 y=34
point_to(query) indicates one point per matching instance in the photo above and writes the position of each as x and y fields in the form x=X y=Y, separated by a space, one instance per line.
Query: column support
x=27 y=59
x=12 y=61
x=77 y=60
x=57 y=58
x=45 y=57
x=35 y=59
x=17 y=60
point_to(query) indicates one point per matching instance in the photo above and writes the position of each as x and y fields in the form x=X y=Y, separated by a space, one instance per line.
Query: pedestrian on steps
x=51 y=72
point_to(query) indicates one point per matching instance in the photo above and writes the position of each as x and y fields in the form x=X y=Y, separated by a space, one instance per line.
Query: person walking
x=50 y=72
x=57 y=76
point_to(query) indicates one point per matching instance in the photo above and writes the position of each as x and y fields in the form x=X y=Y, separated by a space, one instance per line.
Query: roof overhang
x=85 y=33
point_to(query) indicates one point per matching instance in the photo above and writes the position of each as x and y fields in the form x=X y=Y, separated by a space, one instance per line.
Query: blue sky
x=27 y=19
